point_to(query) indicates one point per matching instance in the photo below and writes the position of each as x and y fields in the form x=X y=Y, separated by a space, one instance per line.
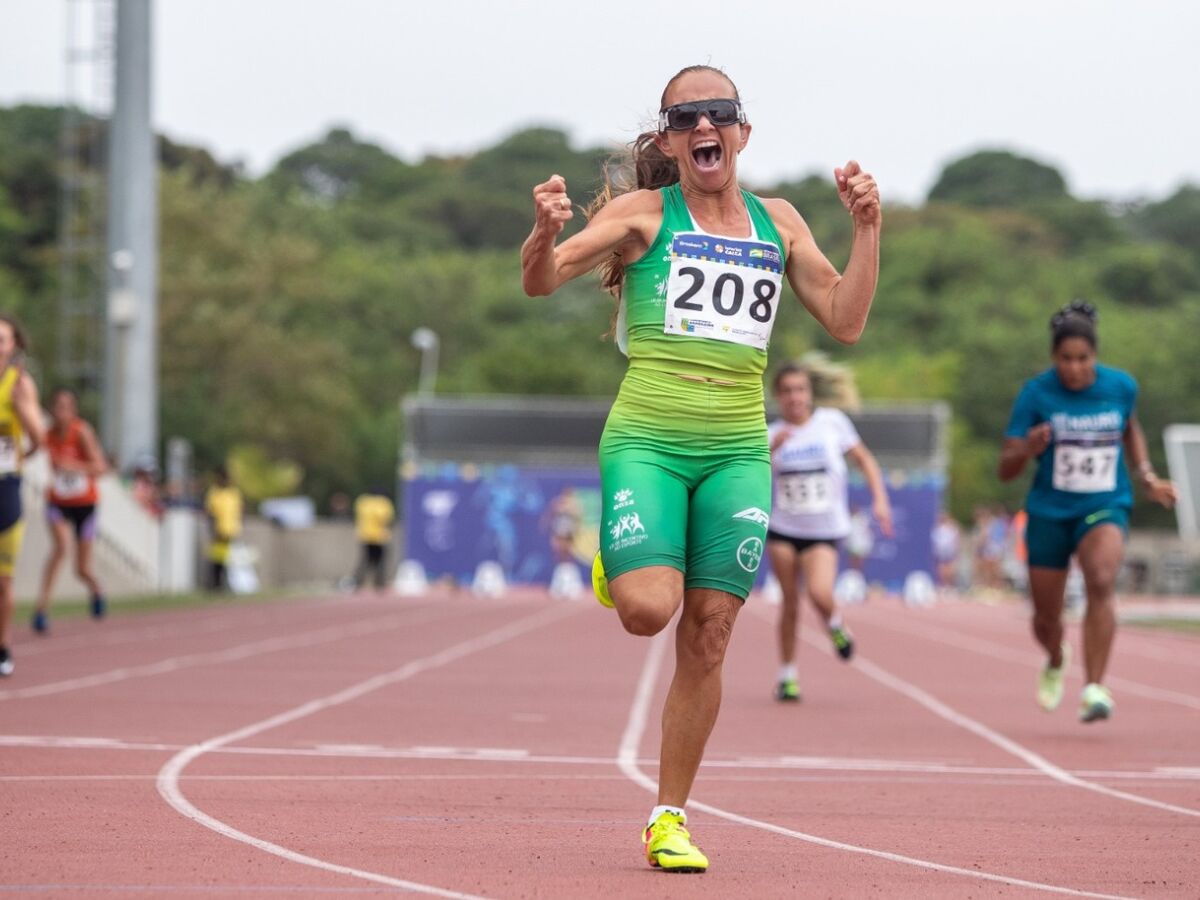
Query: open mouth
x=707 y=156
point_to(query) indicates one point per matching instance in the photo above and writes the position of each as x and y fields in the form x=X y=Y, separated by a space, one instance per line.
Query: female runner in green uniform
x=698 y=265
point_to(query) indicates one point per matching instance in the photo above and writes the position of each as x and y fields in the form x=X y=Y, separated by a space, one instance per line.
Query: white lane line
x=1030 y=660
x=169 y=774
x=627 y=763
x=360 y=628
x=490 y=755
x=1034 y=760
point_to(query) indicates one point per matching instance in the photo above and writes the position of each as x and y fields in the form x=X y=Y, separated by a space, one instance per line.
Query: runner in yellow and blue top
x=21 y=433
x=698 y=266
x=1077 y=420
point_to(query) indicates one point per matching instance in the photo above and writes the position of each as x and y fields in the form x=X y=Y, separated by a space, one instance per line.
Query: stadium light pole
x=426 y=340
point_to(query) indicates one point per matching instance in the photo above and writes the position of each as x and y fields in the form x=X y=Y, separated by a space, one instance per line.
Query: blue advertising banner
x=530 y=519
x=526 y=519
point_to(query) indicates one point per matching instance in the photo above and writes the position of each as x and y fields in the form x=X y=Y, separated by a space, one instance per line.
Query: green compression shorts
x=686 y=476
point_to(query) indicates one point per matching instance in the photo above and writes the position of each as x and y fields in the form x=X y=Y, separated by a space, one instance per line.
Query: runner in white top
x=810 y=513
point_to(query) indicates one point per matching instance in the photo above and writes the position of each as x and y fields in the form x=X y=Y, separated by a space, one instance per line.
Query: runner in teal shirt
x=698 y=265
x=1077 y=420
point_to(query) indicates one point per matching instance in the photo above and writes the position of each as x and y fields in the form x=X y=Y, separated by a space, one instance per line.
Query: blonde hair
x=833 y=383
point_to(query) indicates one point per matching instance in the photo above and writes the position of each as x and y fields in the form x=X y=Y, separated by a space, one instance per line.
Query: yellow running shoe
x=1095 y=704
x=1050 y=682
x=669 y=846
x=600 y=582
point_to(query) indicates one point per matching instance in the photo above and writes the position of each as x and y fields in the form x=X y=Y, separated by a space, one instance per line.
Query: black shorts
x=801 y=544
x=82 y=518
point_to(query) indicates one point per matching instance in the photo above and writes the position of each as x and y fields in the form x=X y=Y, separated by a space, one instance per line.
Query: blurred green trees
x=288 y=300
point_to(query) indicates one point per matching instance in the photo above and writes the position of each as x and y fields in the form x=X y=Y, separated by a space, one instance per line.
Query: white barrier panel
x=566 y=582
x=850 y=588
x=919 y=589
x=239 y=569
x=489 y=579
x=410 y=579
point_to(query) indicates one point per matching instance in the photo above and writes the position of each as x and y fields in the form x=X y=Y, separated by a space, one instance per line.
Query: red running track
x=506 y=748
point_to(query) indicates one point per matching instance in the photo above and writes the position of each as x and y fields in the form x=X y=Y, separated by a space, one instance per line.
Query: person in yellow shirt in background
x=21 y=433
x=223 y=505
x=373 y=517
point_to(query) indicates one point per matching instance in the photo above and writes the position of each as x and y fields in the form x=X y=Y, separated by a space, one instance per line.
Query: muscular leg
x=1046 y=587
x=695 y=695
x=784 y=564
x=59 y=531
x=1100 y=554
x=819 y=564
x=647 y=598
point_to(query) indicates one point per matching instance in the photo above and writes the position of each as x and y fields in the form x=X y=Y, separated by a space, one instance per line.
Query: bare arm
x=619 y=227
x=881 y=506
x=840 y=303
x=1015 y=452
x=96 y=464
x=29 y=412
x=1137 y=456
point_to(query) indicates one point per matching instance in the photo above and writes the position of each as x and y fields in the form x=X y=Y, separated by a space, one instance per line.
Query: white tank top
x=808 y=476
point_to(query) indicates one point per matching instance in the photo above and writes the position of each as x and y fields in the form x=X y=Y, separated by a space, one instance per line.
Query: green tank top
x=703 y=304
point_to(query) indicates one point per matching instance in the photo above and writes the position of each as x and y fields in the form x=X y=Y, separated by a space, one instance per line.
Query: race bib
x=9 y=459
x=1085 y=470
x=804 y=493
x=723 y=290
x=69 y=485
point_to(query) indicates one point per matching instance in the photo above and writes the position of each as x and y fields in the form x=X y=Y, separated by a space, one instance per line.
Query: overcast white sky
x=1106 y=90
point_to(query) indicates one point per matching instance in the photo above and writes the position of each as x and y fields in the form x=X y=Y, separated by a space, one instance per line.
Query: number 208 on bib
x=723 y=290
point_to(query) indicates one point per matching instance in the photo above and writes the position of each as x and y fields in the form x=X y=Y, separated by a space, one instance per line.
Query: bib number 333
x=723 y=290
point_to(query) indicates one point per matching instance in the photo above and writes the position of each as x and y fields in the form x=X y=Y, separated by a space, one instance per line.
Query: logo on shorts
x=627 y=531
x=627 y=525
x=749 y=554
x=623 y=498
x=755 y=515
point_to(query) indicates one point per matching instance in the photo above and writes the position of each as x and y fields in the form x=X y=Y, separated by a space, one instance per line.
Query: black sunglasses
x=685 y=116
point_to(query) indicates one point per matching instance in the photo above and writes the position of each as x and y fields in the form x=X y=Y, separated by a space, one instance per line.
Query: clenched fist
x=859 y=193
x=551 y=205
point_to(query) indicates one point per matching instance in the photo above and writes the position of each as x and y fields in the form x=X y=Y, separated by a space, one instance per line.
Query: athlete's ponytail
x=645 y=168
x=19 y=338
x=1076 y=319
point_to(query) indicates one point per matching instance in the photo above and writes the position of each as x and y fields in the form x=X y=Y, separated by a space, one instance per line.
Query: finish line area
x=457 y=746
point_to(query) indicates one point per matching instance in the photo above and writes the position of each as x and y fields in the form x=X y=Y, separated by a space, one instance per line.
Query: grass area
x=1186 y=626
x=66 y=609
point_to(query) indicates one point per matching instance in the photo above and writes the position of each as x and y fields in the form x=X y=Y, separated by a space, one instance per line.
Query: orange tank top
x=70 y=487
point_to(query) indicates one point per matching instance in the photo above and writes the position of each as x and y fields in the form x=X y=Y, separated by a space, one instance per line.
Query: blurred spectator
x=947 y=544
x=373 y=517
x=144 y=487
x=223 y=506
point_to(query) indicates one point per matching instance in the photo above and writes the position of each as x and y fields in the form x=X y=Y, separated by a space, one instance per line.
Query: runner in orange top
x=77 y=459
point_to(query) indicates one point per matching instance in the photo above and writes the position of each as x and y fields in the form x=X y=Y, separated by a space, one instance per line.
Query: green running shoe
x=788 y=691
x=1095 y=703
x=843 y=641
x=1050 y=682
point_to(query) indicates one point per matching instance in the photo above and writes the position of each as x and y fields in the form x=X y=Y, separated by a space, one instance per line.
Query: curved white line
x=1034 y=760
x=627 y=763
x=168 y=776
